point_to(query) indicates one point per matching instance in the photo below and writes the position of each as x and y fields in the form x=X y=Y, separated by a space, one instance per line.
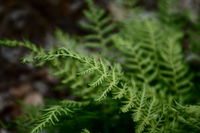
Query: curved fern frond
x=103 y=74
x=25 y=43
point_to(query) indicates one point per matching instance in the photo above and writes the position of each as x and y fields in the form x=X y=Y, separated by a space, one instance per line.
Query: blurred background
x=37 y=20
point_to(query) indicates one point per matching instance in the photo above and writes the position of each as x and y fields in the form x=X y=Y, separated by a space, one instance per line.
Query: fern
x=27 y=44
x=142 y=39
x=131 y=98
x=144 y=122
x=137 y=89
x=173 y=69
x=99 y=26
x=105 y=77
x=135 y=65
x=50 y=116
x=189 y=115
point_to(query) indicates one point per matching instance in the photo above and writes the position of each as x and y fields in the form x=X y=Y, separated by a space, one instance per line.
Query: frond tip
x=25 y=43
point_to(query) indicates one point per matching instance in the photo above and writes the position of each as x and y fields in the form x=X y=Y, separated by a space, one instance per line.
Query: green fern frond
x=135 y=65
x=99 y=24
x=173 y=69
x=112 y=85
x=148 y=34
x=130 y=97
x=104 y=76
x=189 y=115
x=156 y=124
x=25 y=43
x=90 y=70
x=146 y=118
x=50 y=117
x=120 y=92
x=140 y=105
x=66 y=70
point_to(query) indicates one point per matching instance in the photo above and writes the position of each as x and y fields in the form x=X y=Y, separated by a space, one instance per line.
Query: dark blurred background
x=35 y=20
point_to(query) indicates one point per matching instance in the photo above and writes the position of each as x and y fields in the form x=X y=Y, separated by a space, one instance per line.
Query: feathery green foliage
x=144 y=42
x=173 y=69
x=98 y=25
x=147 y=88
x=13 y=43
x=101 y=69
x=50 y=117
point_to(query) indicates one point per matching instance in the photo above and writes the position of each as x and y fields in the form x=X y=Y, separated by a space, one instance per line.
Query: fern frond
x=189 y=115
x=140 y=105
x=120 y=92
x=66 y=70
x=146 y=119
x=98 y=24
x=25 y=43
x=173 y=69
x=90 y=70
x=104 y=76
x=112 y=85
x=50 y=117
x=156 y=124
x=135 y=65
x=131 y=97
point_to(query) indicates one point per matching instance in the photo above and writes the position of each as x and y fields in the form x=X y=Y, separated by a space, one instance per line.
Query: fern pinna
x=146 y=89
